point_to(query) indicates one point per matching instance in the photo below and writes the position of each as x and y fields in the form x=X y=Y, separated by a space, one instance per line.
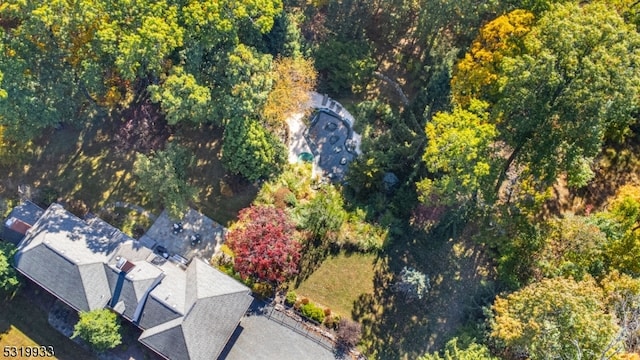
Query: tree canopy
x=555 y=318
x=458 y=152
x=100 y=328
x=163 y=177
x=573 y=86
x=453 y=351
x=251 y=151
x=9 y=281
x=264 y=245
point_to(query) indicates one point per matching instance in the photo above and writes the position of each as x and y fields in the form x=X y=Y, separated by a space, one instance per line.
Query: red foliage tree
x=263 y=243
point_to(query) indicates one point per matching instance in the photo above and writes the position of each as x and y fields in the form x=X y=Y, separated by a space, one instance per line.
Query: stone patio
x=161 y=233
x=330 y=138
x=333 y=148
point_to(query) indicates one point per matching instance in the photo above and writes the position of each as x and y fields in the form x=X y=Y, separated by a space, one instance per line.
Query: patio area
x=329 y=138
x=194 y=235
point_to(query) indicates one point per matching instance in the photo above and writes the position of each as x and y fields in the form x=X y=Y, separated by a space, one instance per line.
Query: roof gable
x=156 y=313
x=211 y=322
x=129 y=293
x=27 y=212
x=167 y=339
x=70 y=236
x=66 y=256
x=64 y=278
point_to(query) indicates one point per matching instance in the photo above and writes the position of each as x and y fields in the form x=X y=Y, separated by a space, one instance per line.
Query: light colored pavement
x=259 y=338
x=162 y=233
x=297 y=142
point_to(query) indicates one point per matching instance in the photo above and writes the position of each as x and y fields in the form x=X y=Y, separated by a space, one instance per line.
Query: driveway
x=260 y=338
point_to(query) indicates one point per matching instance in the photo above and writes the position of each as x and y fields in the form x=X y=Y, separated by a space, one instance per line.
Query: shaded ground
x=339 y=282
x=24 y=323
x=220 y=195
x=259 y=338
x=82 y=164
x=461 y=282
x=615 y=167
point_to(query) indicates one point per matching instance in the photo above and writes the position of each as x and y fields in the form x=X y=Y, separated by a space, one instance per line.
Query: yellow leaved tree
x=294 y=79
x=477 y=75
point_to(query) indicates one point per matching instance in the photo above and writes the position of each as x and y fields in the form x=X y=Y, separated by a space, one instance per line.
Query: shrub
x=264 y=244
x=46 y=196
x=332 y=321
x=77 y=208
x=100 y=328
x=225 y=249
x=263 y=290
x=291 y=298
x=313 y=312
x=291 y=200
x=9 y=280
x=348 y=334
x=413 y=284
x=280 y=197
x=327 y=312
x=304 y=301
x=6 y=205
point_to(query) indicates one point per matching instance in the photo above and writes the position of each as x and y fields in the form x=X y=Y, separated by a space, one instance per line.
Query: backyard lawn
x=23 y=323
x=84 y=164
x=340 y=281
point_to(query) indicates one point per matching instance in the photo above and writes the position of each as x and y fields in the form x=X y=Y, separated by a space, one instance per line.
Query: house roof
x=65 y=256
x=210 y=295
x=26 y=212
x=21 y=218
x=129 y=283
x=17 y=225
x=185 y=314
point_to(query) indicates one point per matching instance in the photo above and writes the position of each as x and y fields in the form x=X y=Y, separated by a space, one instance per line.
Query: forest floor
x=616 y=166
x=83 y=164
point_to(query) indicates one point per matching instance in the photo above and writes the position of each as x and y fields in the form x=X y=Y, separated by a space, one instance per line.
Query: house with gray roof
x=185 y=312
x=21 y=219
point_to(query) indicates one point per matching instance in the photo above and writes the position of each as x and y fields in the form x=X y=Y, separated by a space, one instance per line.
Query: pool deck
x=297 y=142
x=326 y=159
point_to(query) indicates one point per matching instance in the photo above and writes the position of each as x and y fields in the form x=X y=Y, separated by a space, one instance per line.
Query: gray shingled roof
x=156 y=313
x=65 y=256
x=84 y=287
x=27 y=212
x=184 y=314
x=211 y=295
x=133 y=289
x=168 y=339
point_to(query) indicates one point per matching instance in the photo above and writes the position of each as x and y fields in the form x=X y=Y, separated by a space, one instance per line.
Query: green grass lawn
x=339 y=282
x=23 y=323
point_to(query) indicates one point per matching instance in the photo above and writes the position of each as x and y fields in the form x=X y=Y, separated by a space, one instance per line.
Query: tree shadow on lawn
x=78 y=164
x=83 y=164
x=394 y=328
x=221 y=195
